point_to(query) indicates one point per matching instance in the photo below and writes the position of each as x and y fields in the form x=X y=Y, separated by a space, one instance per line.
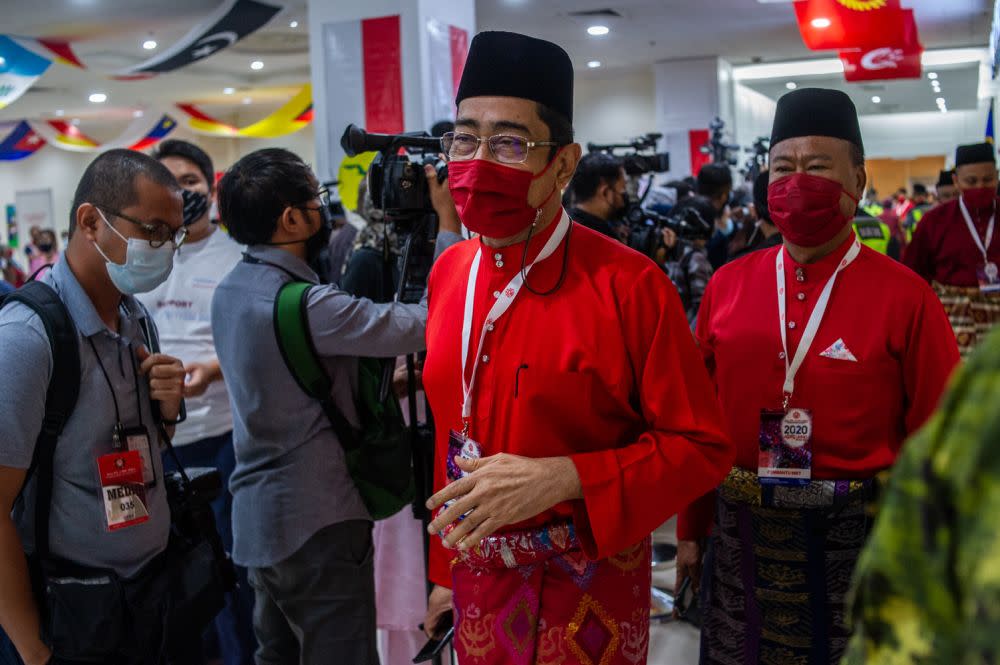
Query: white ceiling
x=107 y=34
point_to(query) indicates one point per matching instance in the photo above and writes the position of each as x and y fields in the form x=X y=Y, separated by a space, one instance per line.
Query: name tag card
x=123 y=489
x=785 y=447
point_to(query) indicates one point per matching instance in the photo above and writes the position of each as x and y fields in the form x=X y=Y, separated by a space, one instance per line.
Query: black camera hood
x=356 y=140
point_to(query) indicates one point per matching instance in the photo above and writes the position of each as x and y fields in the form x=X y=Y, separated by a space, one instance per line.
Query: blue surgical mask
x=145 y=267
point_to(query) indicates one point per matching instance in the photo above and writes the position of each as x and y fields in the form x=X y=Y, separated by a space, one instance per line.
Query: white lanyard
x=500 y=307
x=975 y=234
x=809 y=334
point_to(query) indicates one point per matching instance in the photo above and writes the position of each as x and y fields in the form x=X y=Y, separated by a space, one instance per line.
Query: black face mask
x=45 y=247
x=320 y=240
x=195 y=206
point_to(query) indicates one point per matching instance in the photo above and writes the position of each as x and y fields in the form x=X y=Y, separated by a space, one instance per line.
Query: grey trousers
x=318 y=606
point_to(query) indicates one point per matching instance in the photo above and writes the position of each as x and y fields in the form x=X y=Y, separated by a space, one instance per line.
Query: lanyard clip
x=465 y=428
x=118 y=436
x=787 y=400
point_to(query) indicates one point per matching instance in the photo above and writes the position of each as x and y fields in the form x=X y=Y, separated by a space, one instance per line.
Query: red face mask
x=491 y=198
x=979 y=198
x=806 y=208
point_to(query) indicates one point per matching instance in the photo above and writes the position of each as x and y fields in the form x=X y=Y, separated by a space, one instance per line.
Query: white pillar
x=688 y=95
x=340 y=50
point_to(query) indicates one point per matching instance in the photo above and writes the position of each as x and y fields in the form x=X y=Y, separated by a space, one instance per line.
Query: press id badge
x=123 y=489
x=785 y=447
x=989 y=278
x=137 y=439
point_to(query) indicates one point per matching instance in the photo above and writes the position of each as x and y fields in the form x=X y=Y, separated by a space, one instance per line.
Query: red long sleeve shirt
x=943 y=250
x=889 y=320
x=604 y=371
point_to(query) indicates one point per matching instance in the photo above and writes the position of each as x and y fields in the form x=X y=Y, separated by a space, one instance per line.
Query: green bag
x=379 y=455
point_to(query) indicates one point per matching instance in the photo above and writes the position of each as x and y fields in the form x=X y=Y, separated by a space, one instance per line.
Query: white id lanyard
x=975 y=234
x=500 y=307
x=809 y=334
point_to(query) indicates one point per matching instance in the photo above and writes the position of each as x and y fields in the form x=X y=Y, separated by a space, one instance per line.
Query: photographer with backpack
x=306 y=453
x=86 y=402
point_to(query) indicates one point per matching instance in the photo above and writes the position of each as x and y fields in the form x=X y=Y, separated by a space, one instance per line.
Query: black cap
x=816 y=112
x=977 y=153
x=945 y=179
x=760 y=196
x=506 y=64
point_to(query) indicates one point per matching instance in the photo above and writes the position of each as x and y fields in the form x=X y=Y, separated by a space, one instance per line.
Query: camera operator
x=598 y=193
x=687 y=262
x=299 y=522
x=715 y=181
x=93 y=515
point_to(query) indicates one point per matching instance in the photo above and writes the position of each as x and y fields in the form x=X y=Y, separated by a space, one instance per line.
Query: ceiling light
x=941 y=101
x=594 y=64
x=247 y=100
x=876 y=100
x=932 y=76
x=3 y=61
x=953 y=56
x=228 y=91
x=137 y=113
x=74 y=122
x=98 y=98
x=149 y=44
x=791 y=85
x=60 y=113
x=787 y=70
x=293 y=24
x=821 y=23
x=257 y=65
x=598 y=30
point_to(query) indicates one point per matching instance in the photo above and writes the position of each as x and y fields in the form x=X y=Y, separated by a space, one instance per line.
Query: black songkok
x=506 y=64
x=977 y=153
x=816 y=112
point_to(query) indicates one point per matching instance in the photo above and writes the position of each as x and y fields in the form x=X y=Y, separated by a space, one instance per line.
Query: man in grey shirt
x=299 y=524
x=125 y=225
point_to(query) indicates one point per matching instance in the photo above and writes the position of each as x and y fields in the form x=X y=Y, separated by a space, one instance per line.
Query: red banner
x=890 y=61
x=851 y=24
x=459 y=40
x=383 y=74
x=697 y=139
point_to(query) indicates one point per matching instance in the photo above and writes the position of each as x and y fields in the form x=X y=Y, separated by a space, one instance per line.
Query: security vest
x=910 y=224
x=873 y=233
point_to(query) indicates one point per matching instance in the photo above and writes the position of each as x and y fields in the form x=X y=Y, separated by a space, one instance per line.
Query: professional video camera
x=398 y=187
x=646 y=227
x=757 y=162
x=643 y=158
x=721 y=152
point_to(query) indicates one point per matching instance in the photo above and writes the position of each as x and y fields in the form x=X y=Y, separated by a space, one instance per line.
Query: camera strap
x=500 y=307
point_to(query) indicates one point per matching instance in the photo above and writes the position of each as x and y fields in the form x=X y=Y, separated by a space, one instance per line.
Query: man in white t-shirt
x=181 y=307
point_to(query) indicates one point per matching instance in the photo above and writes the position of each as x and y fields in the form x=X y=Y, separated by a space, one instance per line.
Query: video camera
x=398 y=187
x=643 y=158
x=721 y=152
x=646 y=228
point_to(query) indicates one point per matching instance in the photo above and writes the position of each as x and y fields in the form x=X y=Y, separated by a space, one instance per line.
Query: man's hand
x=400 y=380
x=41 y=657
x=500 y=490
x=199 y=377
x=443 y=204
x=166 y=381
x=439 y=605
x=689 y=555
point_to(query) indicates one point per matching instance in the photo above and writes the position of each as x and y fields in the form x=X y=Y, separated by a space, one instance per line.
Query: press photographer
x=123 y=561
x=685 y=235
x=599 y=196
x=308 y=459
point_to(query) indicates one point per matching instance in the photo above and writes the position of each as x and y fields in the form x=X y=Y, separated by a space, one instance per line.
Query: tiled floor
x=671 y=643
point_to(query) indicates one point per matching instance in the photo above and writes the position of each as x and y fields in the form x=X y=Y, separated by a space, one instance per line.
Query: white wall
x=61 y=169
x=754 y=116
x=612 y=107
x=906 y=135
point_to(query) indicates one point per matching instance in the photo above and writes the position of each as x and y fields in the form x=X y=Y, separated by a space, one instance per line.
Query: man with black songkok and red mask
x=573 y=414
x=825 y=355
x=955 y=247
